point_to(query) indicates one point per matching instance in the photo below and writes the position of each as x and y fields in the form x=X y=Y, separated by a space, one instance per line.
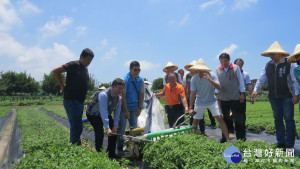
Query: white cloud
x=34 y=60
x=53 y=28
x=9 y=46
x=210 y=3
x=81 y=30
x=104 y=42
x=37 y=61
x=184 y=20
x=8 y=16
x=242 y=4
x=110 y=54
x=144 y=64
x=230 y=50
x=221 y=10
x=28 y=8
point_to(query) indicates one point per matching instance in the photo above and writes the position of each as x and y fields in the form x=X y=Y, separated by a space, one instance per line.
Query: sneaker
x=223 y=140
x=214 y=127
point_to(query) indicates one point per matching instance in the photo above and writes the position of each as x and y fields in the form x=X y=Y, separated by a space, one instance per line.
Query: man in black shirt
x=75 y=91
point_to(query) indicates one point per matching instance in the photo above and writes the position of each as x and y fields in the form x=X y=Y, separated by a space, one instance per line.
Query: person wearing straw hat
x=203 y=97
x=283 y=93
x=102 y=88
x=173 y=90
x=170 y=67
x=295 y=60
x=232 y=95
x=187 y=87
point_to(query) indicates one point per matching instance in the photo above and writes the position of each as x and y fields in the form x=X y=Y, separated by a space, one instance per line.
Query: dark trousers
x=174 y=112
x=97 y=124
x=238 y=114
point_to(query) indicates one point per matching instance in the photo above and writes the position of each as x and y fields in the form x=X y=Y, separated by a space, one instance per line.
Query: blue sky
x=36 y=36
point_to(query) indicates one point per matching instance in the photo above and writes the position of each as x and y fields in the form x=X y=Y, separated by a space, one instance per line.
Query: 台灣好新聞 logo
x=232 y=154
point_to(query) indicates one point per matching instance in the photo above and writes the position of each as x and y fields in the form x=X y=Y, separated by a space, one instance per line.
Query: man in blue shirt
x=132 y=102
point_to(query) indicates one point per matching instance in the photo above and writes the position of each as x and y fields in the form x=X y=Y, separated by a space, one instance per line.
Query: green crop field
x=45 y=142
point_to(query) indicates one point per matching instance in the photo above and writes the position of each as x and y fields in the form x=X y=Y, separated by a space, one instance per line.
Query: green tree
x=49 y=84
x=157 y=84
x=92 y=83
x=12 y=82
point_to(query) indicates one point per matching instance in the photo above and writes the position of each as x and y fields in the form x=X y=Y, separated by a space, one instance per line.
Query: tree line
x=12 y=83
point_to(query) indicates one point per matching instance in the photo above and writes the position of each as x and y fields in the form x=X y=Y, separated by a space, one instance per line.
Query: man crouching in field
x=75 y=91
x=203 y=85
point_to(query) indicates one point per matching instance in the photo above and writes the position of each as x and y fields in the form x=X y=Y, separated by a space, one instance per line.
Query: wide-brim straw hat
x=170 y=65
x=292 y=58
x=102 y=88
x=187 y=67
x=200 y=65
x=275 y=48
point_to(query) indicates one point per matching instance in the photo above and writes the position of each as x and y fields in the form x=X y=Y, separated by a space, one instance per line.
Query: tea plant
x=196 y=151
x=45 y=144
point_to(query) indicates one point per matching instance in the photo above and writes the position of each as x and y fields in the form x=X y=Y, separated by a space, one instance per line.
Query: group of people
x=222 y=93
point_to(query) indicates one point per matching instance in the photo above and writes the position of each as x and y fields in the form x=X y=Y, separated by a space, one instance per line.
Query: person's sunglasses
x=137 y=70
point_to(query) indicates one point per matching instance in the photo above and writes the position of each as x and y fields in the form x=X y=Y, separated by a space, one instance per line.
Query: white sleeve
x=262 y=79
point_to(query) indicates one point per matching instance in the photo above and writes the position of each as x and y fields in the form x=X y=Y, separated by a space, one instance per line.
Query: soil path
x=10 y=142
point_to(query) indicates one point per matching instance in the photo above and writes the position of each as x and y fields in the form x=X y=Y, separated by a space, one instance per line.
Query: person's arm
x=261 y=80
x=241 y=84
x=183 y=98
x=213 y=81
x=57 y=75
x=192 y=101
x=102 y=100
x=160 y=94
x=295 y=84
x=117 y=117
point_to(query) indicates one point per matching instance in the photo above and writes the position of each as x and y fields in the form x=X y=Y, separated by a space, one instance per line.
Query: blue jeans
x=284 y=108
x=122 y=124
x=74 y=111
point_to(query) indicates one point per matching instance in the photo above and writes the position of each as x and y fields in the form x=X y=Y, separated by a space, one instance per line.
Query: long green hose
x=168 y=132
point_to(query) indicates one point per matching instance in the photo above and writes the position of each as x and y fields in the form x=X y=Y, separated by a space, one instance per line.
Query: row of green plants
x=4 y=110
x=45 y=144
x=197 y=151
x=59 y=110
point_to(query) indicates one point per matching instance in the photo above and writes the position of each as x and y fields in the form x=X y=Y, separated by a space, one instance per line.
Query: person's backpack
x=92 y=107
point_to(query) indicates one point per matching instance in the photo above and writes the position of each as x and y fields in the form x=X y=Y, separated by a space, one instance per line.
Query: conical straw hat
x=170 y=65
x=200 y=65
x=102 y=88
x=187 y=67
x=292 y=58
x=275 y=48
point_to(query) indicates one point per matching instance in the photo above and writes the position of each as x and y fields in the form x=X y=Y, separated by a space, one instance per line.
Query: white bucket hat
x=102 y=88
x=170 y=65
x=200 y=65
x=187 y=67
x=292 y=58
x=275 y=48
